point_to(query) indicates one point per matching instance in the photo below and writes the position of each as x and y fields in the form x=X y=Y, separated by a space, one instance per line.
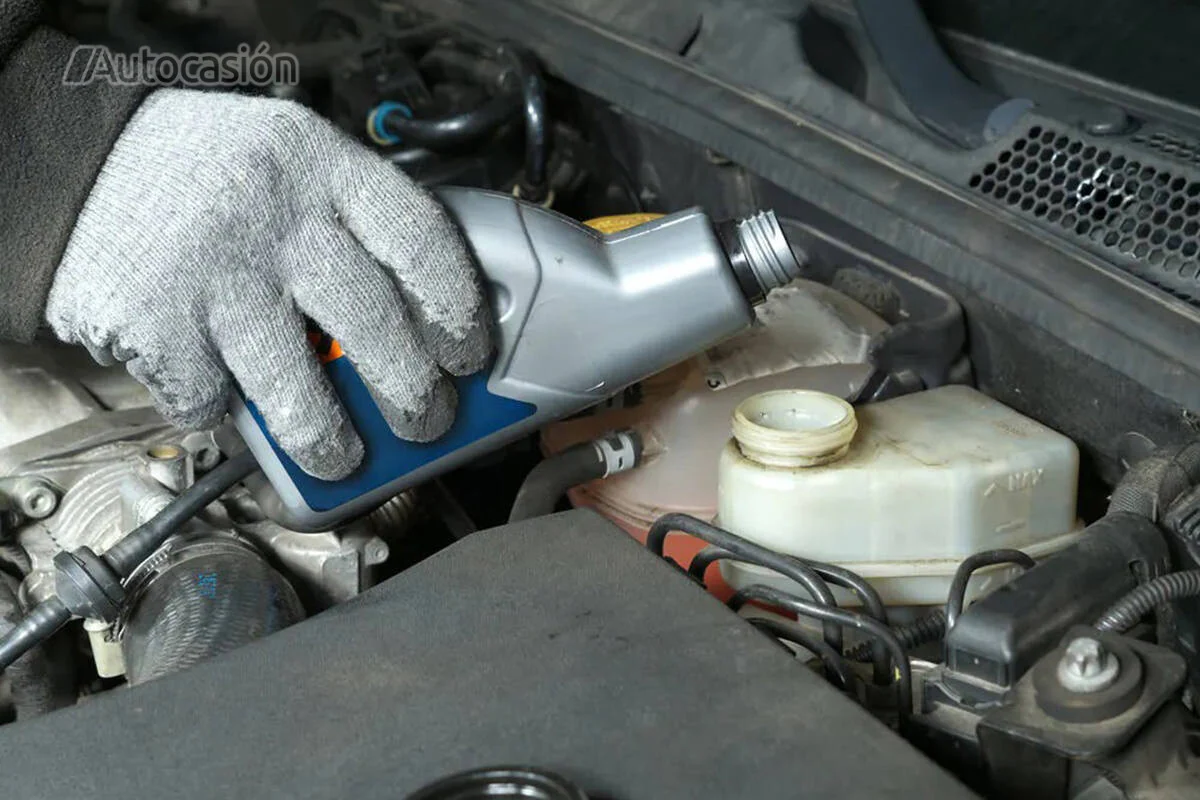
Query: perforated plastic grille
x=1144 y=216
x=1170 y=144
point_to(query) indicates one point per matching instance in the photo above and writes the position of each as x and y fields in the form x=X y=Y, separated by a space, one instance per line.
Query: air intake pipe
x=196 y=598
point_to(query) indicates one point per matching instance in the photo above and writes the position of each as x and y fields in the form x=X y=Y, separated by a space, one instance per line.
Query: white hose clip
x=620 y=451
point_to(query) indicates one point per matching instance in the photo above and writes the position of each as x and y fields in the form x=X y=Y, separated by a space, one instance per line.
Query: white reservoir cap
x=794 y=428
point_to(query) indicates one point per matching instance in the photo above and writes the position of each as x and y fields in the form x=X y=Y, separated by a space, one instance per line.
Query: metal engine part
x=84 y=458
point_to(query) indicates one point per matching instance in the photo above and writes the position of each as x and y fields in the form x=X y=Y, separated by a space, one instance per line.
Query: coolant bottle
x=579 y=316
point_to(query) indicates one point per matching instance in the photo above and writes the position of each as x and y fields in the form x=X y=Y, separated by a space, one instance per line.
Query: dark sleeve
x=53 y=140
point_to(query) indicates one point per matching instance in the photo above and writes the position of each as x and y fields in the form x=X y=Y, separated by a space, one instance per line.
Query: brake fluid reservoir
x=898 y=491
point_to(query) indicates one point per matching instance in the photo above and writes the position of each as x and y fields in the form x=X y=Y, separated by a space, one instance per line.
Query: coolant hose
x=1128 y=611
x=51 y=614
x=578 y=464
x=1154 y=483
x=197 y=599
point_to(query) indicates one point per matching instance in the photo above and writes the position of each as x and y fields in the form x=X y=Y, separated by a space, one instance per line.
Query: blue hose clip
x=375 y=127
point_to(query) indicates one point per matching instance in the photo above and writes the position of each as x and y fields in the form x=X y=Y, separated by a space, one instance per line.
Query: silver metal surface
x=1087 y=666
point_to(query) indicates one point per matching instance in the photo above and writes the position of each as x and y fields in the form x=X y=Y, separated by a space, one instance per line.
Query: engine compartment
x=1045 y=659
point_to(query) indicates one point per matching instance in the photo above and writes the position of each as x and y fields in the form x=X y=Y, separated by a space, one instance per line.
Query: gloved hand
x=218 y=221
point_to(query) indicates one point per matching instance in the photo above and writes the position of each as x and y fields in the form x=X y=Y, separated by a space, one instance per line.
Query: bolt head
x=1085 y=657
x=1087 y=666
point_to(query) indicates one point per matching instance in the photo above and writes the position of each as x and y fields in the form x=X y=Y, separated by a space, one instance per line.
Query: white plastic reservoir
x=899 y=491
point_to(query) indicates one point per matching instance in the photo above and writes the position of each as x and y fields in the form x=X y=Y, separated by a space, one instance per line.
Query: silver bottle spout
x=759 y=253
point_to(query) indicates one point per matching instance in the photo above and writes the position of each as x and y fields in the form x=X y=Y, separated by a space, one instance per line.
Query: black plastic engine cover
x=559 y=643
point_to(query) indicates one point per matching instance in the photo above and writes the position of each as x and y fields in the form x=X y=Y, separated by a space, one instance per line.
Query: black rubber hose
x=753 y=554
x=929 y=628
x=48 y=616
x=137 y=545
x=836 y=667
x=1129 y=610
x=457 y=130
x=840 y=616
x=936 y=91
x=41 y=681
x=962 y=576
x=31 y=630
x=550 y=480
x=534 y=183
x=1154 y=483
x=838 y=576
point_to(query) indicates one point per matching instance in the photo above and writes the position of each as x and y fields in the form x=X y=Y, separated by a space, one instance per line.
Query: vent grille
x=1141 y=215
x=1170 y=144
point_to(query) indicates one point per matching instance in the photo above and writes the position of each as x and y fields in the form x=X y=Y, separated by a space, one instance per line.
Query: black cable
x=753 y=554
x=985 y=558
x=840 y=616
x=1129 y=610
x=838 y=576
x=456 y=130
x=929 y=628
x=535 y=182
x=48 y=616
x=836 y=667
x=137 y=545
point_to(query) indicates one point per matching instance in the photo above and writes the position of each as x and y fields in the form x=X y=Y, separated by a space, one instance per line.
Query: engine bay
x=926 y=526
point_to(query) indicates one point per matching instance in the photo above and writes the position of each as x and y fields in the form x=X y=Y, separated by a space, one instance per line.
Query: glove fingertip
x=332 y=457
x=429 y=421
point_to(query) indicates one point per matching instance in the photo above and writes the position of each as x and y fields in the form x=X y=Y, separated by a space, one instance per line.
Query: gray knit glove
x=217 y=222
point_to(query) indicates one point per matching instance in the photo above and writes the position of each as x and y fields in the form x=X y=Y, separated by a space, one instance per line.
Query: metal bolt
x=1087 y=666
x=36 y=498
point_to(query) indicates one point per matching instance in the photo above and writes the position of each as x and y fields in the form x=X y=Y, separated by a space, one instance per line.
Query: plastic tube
x=1128 y=611
x=985 y=558
x=840 y=616
x=835 y=666
x=752 y=553
x=838 y=576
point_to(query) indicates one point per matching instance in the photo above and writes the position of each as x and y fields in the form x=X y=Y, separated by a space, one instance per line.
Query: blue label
x=386 y=457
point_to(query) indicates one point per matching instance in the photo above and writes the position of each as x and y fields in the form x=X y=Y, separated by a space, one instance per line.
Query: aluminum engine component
x=84 y=459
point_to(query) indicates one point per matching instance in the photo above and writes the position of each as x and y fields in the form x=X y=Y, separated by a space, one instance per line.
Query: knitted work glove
x=217 y=223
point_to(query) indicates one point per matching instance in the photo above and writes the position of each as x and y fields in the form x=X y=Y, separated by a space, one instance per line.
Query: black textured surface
x=53 y=141
x=1142 y=214
x=559 y=643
